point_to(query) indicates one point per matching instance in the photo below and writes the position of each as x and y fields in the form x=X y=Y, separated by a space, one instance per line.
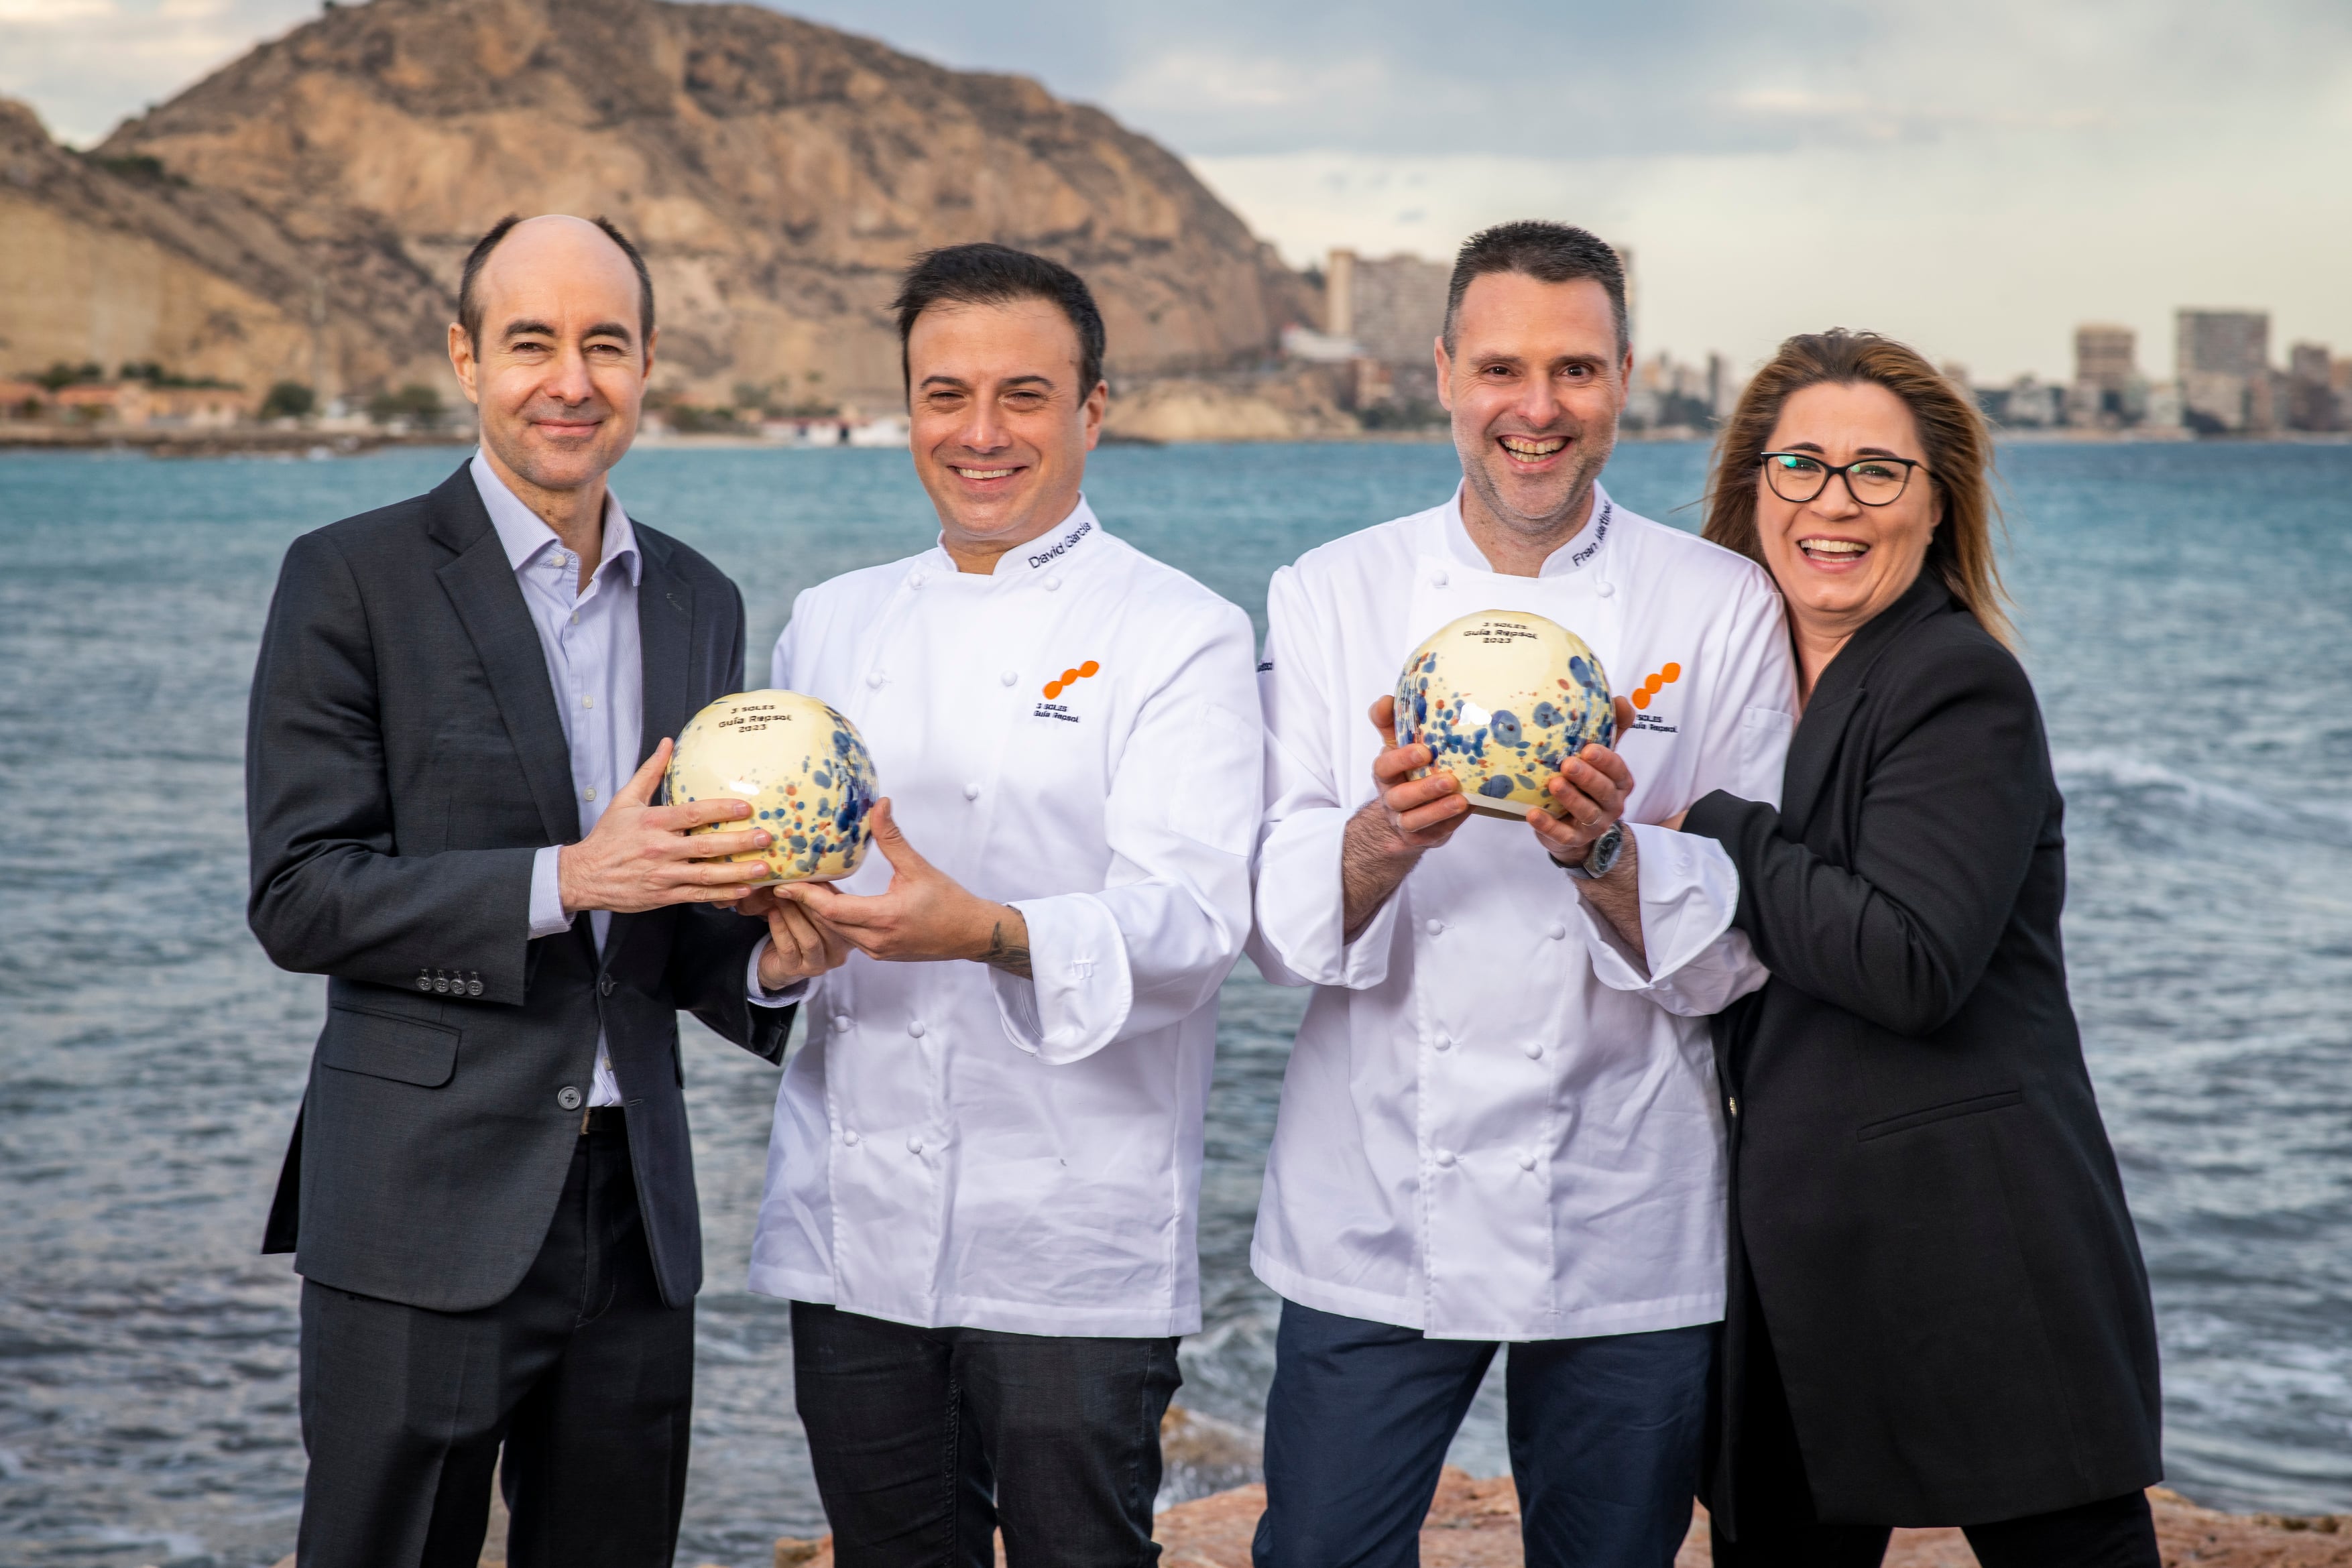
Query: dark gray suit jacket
x=404 y=761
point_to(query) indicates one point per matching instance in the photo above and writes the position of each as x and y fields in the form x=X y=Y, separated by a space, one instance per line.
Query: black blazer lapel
x=1813 y=749
x=482 y=588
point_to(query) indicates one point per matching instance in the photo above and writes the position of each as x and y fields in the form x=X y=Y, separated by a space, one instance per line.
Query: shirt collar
x=525 y=536
x=1057 y=546
x=1577 y=553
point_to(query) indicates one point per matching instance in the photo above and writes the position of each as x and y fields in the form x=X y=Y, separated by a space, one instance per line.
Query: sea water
x=2187 y=612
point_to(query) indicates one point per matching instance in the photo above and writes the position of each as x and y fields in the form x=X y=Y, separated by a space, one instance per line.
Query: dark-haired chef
x=1499 y=1123
x=985 y=1171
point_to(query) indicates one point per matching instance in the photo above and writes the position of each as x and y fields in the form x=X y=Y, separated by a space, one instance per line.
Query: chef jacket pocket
x=403 y=1049
x=1975 y=1104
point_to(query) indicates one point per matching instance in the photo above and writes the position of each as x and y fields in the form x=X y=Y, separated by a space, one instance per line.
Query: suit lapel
x=482 y=588
x=1813 y=749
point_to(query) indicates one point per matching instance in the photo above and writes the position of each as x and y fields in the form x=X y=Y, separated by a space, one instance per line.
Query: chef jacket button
x=914 y=1145
x=971 y=790
x=915 y=580
x=915 y=1028
x=1053 y=584
x=841 y=1023
x=875 y=677
x=1527 y=1162
x=1556 y=931
x=1604 y=589
x=1445 y=1156
x=849 y=1137
x=568 y=1097
x=1444 y=1042
x=1433 y=926
x=1440 y=581
x=1009 y=677
x=1534 y=1049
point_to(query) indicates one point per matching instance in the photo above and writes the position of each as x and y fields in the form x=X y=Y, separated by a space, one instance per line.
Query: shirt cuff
x=547 y=916
x=1690 y=891
x=1083 y=989
x=758 y=994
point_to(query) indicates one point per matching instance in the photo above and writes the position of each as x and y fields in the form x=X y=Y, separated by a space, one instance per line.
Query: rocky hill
x=777 y=174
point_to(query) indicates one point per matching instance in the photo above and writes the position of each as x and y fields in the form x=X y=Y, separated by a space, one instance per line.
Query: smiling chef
x=986 y=1163
x=1500 y=1122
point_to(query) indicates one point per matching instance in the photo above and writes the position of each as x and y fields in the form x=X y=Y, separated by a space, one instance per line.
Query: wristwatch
x=1601 y=858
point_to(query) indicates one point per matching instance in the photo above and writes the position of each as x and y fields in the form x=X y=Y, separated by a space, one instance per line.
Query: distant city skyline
x=1980 y=181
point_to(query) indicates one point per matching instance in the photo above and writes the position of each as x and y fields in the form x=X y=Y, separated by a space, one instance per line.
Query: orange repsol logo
x=1649 y=688
x=1070 y=678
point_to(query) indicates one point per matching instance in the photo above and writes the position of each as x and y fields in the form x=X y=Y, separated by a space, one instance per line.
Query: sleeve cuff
x=1689 y=892
x=1302 y=908
x=547 y=916
x=1083 y=990
x=760 y=997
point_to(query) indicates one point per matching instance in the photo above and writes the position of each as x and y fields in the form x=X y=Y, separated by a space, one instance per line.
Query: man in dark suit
x=489 y=1192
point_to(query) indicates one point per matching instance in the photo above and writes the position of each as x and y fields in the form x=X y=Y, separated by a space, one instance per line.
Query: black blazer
x=1923 y=1193
x=404 y=761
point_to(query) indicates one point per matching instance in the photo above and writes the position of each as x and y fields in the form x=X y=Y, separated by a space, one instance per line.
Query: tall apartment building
x=2223 y=358
x=2313 y=402
x=2104 y=357
x=1393 y=306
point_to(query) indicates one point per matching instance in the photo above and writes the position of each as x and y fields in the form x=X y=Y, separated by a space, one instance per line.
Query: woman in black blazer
x=1937 y=1311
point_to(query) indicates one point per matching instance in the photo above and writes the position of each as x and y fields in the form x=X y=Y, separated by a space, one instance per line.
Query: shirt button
x=915 y=1028
x=971 y=791
x=1052 y=583
x=850 y=1137
x=568 y=1097
x=1432 y=926
x=1444 y=1042
x=1009 y=677
x=875 y=677
x=1445 y=1156
x=1527 y=1162
x=841 y=1023
x=914 y=1145
x=1556 y=931
x=587 y=794
x=587 y=701
x=1534 y=1049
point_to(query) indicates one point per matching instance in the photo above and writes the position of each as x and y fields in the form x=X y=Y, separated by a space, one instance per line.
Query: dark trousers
x=1777 y=1527
x=583 y=1374
x=1606 y=1438
x=925 y=1441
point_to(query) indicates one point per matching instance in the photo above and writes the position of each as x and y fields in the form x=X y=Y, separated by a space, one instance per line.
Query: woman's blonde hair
x=1959 y=454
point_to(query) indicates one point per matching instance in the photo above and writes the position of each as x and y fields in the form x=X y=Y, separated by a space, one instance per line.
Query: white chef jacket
x=1077 y=735
x=1496 y=1124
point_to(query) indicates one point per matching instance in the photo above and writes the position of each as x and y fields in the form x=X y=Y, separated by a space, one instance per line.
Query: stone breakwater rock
x=1476 y=1525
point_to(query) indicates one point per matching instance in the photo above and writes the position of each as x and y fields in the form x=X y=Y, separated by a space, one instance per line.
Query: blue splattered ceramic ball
x=803 y=766
x=1502 y=698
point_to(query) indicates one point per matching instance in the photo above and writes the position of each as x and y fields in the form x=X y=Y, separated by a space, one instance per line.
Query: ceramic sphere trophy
x=803 y=766
x=1502 y=698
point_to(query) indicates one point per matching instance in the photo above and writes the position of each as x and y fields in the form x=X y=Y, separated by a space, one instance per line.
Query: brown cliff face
x=778 y=175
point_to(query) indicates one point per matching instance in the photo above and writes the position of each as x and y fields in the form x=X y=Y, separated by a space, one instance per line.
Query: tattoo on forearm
x=1012 y=957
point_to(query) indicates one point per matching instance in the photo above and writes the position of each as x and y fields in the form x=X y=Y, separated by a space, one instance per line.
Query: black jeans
x=1777 y=1527
x=1606 y=1437
x=583 y=1375
x=925 y=1441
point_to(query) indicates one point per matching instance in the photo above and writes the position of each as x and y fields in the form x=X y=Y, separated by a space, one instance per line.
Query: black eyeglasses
x=1873 y=481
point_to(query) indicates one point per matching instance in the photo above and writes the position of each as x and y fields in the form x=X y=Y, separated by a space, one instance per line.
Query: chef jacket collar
x=1058 y=547
x=524 y=535
x=1580 y=552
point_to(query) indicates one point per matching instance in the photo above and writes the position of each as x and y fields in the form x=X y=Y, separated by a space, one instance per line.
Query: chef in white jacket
x=1500 y=1122
x=984 y=1174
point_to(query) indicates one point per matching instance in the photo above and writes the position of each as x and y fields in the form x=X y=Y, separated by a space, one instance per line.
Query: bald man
x=459 y=720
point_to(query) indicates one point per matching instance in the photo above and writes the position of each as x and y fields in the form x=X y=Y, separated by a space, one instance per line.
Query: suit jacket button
x=423 y=981
x=568 y=1097
x=474 y=987
x=604 y=985
x=440 y=982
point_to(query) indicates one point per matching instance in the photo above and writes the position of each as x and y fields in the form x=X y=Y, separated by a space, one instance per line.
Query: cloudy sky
x=1978 y=177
